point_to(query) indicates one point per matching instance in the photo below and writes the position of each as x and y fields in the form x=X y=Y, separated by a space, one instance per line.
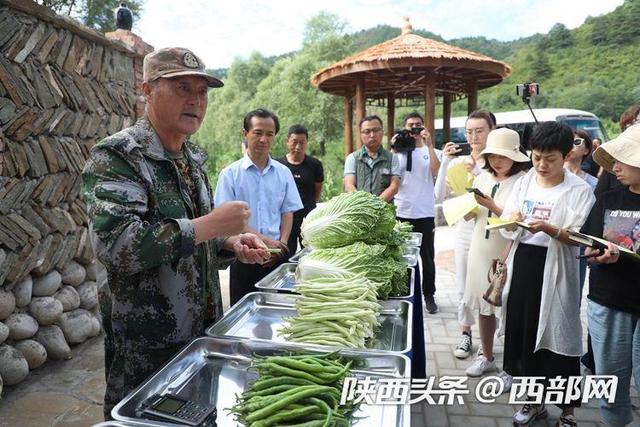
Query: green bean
x=287 y=415
x=303 y=392
x=262 y=384
x=274 y=390
x=290 y=372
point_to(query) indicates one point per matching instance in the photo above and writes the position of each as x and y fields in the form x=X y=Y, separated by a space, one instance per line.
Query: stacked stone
x=60 y=91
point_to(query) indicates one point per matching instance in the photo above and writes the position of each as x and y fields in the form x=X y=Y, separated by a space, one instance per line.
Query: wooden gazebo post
x=472 y=96
x=430 y=102
x=348 y=125
x=391 y=117
x=446 y=118
x=360 y=108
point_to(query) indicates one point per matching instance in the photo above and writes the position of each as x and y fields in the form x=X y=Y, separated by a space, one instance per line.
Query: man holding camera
x=372 y=168
x=415 y=201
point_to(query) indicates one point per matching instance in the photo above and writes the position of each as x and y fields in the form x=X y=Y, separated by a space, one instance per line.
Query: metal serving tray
x=410 y=254
x=415 y=239
x=283 y=279
x=302 y=252
x=213 y=370
x=261 y=315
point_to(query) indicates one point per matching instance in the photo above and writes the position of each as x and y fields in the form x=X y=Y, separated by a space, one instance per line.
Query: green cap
x=173 y=62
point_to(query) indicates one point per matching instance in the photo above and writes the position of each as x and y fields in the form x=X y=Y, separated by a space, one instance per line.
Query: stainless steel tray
x=120 y=424
x=260 y=316
x=415 y=239
x=213 y=370
x=409 y=254
x=283 y=279
x=302 y=252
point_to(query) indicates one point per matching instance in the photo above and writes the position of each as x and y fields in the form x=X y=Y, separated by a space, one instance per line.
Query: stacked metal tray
x=410 y=251
x=259 y=316
x=415 y=239
x=212 y=371
x=410 y=255
x=302 y=252
x=283 y=279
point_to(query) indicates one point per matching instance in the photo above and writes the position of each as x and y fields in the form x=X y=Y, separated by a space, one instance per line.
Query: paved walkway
x=70 y=393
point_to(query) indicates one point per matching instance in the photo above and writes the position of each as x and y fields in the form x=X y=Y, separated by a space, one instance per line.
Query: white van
x=522 y=121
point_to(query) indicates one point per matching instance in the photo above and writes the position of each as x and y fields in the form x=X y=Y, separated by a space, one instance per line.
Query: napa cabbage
x=349 y=218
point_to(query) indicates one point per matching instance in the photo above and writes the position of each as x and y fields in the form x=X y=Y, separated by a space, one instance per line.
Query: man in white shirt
x=415 y=201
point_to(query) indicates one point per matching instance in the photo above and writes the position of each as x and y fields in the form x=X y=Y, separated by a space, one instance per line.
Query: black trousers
x=294 y=237
x=243 y=277
x=426 y=226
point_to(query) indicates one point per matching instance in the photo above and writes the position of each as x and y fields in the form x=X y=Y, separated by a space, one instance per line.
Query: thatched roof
x=399 y=65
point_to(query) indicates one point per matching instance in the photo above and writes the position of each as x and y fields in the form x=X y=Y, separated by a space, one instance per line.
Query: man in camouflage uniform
x=153 y=226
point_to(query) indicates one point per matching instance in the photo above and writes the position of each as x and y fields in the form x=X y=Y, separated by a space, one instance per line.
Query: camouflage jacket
x=165 y=289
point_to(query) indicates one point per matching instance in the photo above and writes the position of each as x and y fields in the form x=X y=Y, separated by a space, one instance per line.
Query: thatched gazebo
x=411 y=69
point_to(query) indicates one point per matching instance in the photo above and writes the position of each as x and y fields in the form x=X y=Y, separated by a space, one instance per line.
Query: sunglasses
x=578 y=141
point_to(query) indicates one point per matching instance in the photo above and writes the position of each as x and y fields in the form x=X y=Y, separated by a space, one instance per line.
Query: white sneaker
x=480 y=366
x=507 y=380
x=528 y=414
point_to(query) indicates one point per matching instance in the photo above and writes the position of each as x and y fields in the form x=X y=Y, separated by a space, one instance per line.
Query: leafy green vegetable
x=349 y=218
x=380 y=264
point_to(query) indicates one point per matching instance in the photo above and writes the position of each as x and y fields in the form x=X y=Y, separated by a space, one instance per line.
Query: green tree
x=220 y=133
x=539 y=63
x=560 y=37
x=97 y=14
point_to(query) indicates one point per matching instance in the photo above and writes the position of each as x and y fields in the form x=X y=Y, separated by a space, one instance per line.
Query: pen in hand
x=595 y=254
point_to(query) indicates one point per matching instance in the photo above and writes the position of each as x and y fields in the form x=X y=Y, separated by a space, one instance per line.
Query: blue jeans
x=615 y=337
x=583 y=271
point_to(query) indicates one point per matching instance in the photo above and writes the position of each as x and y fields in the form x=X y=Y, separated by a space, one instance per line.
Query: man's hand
x=426 y=138
x=610 y=255
x=277 y=256
x=248 y=248
x=233 y=215
x=228 y=219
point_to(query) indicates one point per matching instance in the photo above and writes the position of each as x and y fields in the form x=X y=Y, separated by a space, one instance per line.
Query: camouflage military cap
x=173 y=62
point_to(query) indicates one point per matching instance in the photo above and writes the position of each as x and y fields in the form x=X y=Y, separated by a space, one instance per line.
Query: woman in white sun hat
x=614 y=292
x=504 y=164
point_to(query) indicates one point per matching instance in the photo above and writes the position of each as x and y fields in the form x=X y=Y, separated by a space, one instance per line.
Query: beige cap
x=625 y=149
x=505 y=142
x=173 y=62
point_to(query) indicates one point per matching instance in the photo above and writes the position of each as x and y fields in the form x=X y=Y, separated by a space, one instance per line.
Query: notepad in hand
x=498 y=223
x=598 y=243
x=586 y=240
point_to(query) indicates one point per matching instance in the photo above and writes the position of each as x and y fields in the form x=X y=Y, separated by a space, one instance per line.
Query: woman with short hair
x=540 y=313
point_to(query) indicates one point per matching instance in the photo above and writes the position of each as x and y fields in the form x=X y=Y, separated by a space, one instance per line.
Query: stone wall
x=62 y=88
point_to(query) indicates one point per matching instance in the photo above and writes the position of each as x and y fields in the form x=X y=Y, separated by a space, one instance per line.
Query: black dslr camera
x=405 y=140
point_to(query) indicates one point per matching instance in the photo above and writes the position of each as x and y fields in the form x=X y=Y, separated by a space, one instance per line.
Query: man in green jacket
x=372 y=168
x=154 y=227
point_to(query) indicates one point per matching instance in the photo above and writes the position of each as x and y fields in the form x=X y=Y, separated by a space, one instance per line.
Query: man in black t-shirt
x=614 y=287
x=308 y=174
